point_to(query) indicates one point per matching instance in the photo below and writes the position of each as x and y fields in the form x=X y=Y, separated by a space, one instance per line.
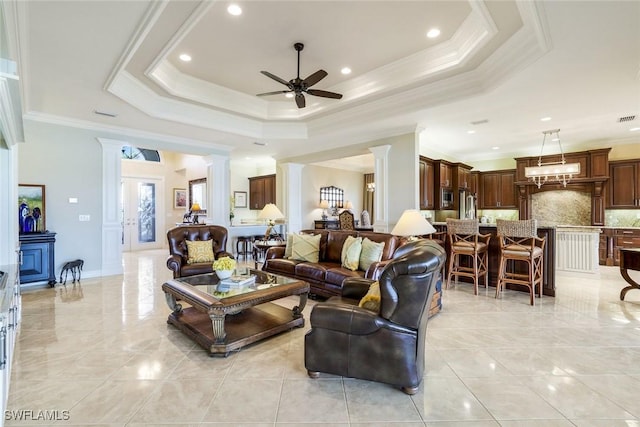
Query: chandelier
x=560 y=172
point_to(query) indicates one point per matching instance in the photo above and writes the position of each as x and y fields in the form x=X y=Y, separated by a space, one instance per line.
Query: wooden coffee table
x=225 y=319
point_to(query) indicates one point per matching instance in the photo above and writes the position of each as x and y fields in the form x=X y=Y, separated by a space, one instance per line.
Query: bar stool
x=520 y=245
x=244 y=246
x=466 y=240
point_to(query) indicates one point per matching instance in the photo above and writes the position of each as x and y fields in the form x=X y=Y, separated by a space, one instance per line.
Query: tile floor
x=103 y=352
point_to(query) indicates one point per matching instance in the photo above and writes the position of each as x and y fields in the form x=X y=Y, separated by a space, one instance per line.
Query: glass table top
x=210 y=284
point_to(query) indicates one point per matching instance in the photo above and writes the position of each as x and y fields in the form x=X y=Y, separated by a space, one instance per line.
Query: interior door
x=141 y=203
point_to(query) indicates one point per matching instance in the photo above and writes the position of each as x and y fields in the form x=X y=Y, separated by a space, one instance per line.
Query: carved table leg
x=217 y=322
x=171 y=302
x=297 y=310
x=630 y=281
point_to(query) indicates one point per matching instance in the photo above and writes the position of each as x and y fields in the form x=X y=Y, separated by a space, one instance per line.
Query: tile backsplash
x=622 y=217
x=562 y=207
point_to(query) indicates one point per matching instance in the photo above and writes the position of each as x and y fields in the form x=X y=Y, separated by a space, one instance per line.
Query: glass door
x=141 y=228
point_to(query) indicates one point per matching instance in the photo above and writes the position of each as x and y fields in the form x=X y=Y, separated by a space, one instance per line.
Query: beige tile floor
x=103 y=352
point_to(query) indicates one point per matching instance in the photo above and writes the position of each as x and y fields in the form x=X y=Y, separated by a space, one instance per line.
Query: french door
x=140 y=205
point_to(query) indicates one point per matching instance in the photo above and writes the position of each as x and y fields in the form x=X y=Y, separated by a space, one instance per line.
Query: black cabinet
x=37 y=258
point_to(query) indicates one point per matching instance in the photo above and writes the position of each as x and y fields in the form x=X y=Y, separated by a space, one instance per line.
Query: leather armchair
x=177 y=237
x=386 y=347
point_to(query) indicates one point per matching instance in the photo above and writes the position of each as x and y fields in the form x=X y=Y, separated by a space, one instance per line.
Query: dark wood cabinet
x=497 y=190
x=624 y=238
x=624 y=184
x=445 y=175
x=37 y=258
x=463 y=177
x=262 y=190
x=427 y=182
x=473 y=182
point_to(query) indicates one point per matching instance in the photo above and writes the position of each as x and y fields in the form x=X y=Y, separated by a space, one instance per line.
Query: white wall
x=69 y=164
x=314 y=177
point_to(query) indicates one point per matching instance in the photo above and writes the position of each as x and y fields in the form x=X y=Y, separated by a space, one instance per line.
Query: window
x=142 y=154
x=333 y=195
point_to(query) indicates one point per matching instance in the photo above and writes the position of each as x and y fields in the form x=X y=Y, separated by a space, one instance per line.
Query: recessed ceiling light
x=495 y=148
x=289 y=95
x=634 y=129
x=545 y=119
x=346 y=70
x=471 y=132
x=234 y=10
x=185 y=57
x=433 y=33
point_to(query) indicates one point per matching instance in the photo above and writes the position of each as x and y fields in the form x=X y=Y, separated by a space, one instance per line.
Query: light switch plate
x=84 y=217
x=73 y=200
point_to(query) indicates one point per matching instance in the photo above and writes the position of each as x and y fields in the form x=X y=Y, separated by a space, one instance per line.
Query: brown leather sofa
x=177 y=237
x=325 y=277
x=388 y=346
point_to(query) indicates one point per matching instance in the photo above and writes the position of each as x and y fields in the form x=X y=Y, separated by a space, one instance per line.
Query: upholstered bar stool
x=466 y=241
x=520 y=245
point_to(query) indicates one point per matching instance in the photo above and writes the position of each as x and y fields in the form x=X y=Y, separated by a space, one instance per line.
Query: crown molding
x=121 y=132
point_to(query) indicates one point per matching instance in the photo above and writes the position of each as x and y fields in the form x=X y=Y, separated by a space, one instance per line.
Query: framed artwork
x=31 y=208
x=240 y=198
x=179 y=198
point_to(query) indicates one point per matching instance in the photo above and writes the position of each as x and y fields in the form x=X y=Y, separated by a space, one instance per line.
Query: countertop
x=560 y=227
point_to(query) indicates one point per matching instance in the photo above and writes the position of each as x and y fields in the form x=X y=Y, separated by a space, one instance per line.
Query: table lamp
x=195 y=209
x=324 y=205
x=412 y=224
x=348 y=205
x=270 y=212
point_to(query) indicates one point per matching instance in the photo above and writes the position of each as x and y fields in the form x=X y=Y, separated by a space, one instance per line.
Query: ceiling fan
x=298 y=86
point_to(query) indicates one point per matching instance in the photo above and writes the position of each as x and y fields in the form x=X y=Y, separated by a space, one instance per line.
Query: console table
x=37 y=257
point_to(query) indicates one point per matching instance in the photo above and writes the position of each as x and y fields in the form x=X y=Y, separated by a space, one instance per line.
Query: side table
x=260 y=248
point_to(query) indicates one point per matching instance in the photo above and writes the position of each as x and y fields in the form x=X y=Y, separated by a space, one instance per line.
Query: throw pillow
x=199 y=251
x=306 y=247
x=371 y=252
x=350 y=255
x=371 y=301
x=289 y=248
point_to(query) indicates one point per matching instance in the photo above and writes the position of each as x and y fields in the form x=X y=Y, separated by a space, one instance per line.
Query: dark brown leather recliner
x=177 y=237
x=386 y=347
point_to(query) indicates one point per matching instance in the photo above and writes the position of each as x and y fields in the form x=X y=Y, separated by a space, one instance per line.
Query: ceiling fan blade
x=315 y=78
x=324 y=93
x=276 y=78
x=277 y=92
x=300 y=100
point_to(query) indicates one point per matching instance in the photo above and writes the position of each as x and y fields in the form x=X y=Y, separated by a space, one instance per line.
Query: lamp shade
x=324 y=204
x=270 y=211
x=348 y=205
x=412 y=223
x=195 y=207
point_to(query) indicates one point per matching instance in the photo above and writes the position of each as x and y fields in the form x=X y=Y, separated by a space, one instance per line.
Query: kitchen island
x=549 y=274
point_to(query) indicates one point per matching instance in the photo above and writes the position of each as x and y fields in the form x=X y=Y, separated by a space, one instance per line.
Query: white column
x=380 y=196
x=111 y=221
x=291 y=199
x=9 y=243
x=218 y=189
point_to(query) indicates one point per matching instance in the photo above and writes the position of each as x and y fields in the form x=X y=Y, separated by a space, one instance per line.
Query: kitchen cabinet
x=262 y=190
x=603 y=247
x=427 y=182
x=624 y=238
x=444 y=174
x=473 y=182
x=463 y=173
x=624 y=184
x=497 y=190
x=37 y=257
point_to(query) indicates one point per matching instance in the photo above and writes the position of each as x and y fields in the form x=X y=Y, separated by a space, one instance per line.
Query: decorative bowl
x=224 y=274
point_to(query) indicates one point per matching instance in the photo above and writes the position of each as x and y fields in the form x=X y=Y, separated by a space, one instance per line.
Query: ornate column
x=218 y=189
x=380 y=196
x=111 y=189
x=290 y=201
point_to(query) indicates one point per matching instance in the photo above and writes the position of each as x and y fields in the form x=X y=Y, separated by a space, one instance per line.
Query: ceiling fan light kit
x=299 y=87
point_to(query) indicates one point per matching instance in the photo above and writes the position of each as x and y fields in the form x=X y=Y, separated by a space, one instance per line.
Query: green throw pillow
x=289 y=248
x=350 y=255
x=371 y=252
x=199 y=251
x=371 y=301
x=306 y=247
